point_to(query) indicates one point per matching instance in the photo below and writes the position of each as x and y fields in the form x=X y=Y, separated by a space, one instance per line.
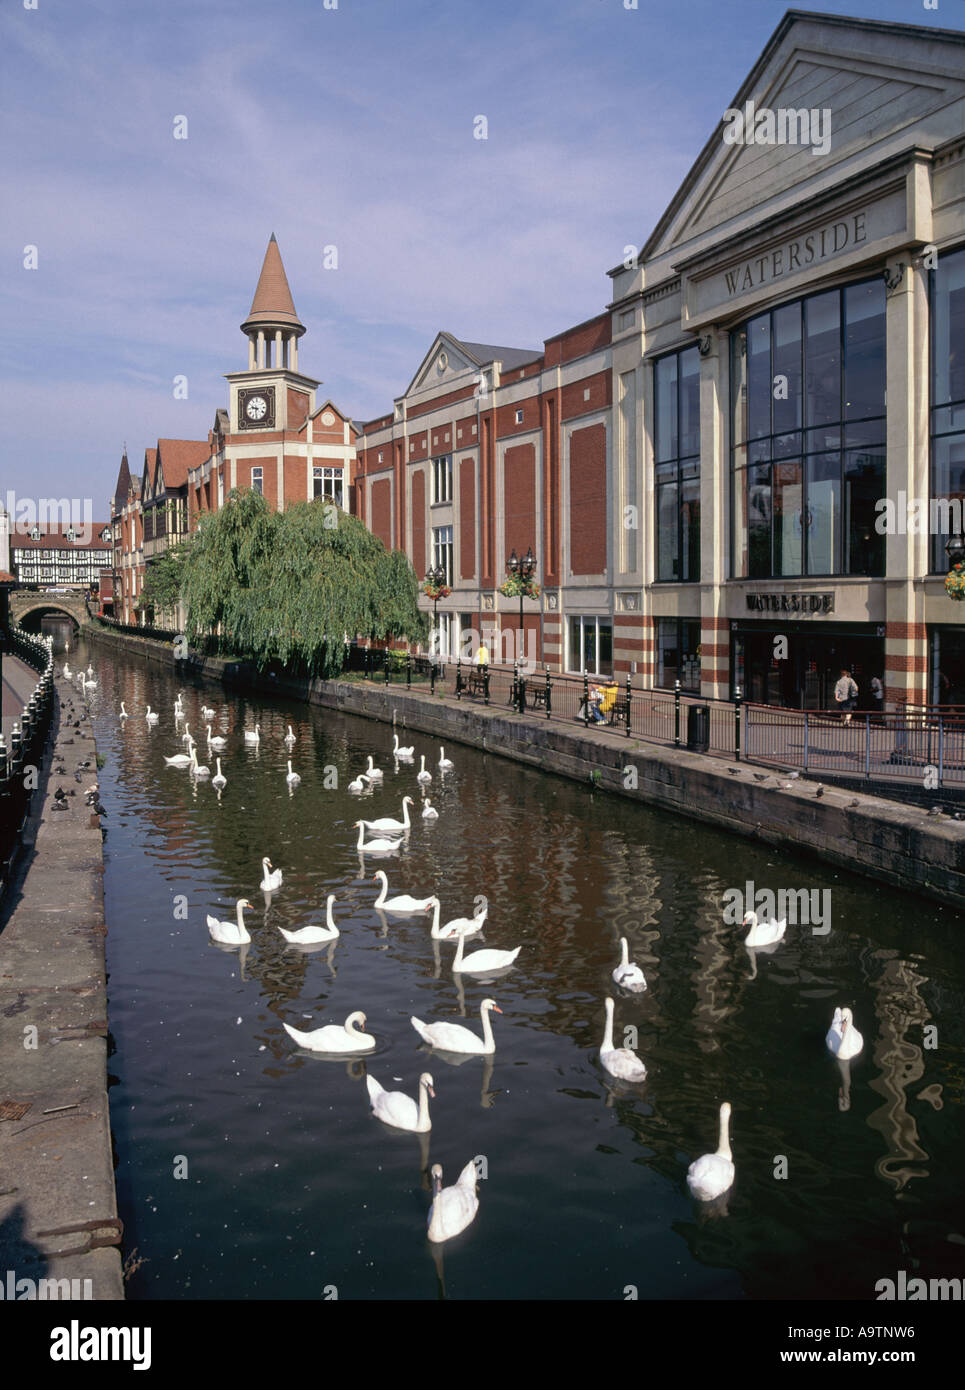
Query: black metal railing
x=20 y=762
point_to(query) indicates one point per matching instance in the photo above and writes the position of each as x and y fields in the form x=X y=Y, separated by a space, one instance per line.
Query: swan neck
x=608 y=1031
x=405 y=813
x=328 y=913
x=423 y=1106
x=435 y=921
x=383 y=891
x=723 y=1147
x=626 y=954
x=487 y=1026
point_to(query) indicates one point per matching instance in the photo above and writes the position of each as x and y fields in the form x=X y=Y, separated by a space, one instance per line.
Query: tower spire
x=272 y=320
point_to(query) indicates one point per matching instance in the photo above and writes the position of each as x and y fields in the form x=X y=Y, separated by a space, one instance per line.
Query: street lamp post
x=523 y=570
x=436 y=576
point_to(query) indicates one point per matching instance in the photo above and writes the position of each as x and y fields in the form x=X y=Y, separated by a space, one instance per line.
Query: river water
x=249 y=1168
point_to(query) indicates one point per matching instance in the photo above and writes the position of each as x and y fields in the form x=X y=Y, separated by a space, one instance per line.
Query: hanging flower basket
x=514 y=587
x=434 y=591
x=955 y=582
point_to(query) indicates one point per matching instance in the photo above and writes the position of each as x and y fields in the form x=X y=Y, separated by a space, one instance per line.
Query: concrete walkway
x=18 y=684
x=58 y=1213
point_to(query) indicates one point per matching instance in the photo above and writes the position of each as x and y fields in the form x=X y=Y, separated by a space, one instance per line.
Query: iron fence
x=27 y=741
x=918 y=746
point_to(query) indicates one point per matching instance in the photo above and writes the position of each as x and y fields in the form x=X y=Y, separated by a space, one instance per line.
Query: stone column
x=278 y=350
x=261 y=347
x=907 y=556
x=714 y=514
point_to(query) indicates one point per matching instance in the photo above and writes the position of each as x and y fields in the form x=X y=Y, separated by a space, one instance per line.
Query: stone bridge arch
x=28 y=606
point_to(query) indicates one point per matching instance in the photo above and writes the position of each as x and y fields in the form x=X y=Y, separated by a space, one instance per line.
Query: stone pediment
x=445 y=361
x=823 y=98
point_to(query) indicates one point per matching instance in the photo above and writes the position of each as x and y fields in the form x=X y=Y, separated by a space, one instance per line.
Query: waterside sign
x=810 y=249
x=804 y=605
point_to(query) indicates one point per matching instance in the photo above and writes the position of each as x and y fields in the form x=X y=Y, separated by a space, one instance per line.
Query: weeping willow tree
x=292 y=586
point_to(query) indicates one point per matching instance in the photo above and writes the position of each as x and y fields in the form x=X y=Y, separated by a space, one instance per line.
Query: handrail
x=27 y=741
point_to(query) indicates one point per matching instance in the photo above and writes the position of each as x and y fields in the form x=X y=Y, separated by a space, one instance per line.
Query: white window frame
x=332 y=482
x=258 y=477
x=442 y=546
x=585 y=620
x=442 y=472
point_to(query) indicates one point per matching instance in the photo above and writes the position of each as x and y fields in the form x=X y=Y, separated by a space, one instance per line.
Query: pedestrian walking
x=845 y=694
x=878 y=695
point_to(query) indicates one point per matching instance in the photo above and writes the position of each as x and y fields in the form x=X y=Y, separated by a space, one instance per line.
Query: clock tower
x=270 y=401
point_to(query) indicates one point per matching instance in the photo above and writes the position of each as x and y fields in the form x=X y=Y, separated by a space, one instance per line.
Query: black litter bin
x=698 y=728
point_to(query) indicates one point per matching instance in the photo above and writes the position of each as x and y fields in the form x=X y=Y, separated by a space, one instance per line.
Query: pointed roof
x=175 y=457
x=272 y=306
x=123 y=483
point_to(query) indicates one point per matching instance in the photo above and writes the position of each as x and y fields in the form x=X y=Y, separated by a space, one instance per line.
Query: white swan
x=387 y=826
x=360 y=783
x=293 y=778
x=398 y=1109
x=482 y=961
x=179 y=760
x=459 y=926
x=626 y=975
x=271 y=878
x=374 y=846
x=453 y=1208
x=763 y=933
x=453 y=1037
x=398 y=751
x=619 y=1061
x=843 y=1038
x=444 y=763
x=123 y=714
x=215 y=740
x=90 y=685
x=194 y=769
x=335 y=1037
x=712 y=1174
x=403 y=904
x=373 y=773
x=151 y=717
x=311 y=936
x=90 y=670
x=187 y=736
x=207 y=712
x=67 y=677
x=422 y=775
x=289 y=737
x=231 y=933
x=253 y=737
x=429 y=812
x=219 y=779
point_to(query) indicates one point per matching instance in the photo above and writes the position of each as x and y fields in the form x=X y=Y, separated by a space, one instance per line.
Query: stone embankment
x=896 y=844
x=58 y=1211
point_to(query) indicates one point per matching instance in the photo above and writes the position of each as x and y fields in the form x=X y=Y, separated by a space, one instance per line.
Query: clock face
x=256 y=407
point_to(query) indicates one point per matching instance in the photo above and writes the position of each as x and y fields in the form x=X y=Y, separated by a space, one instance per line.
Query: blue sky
x=350 y=127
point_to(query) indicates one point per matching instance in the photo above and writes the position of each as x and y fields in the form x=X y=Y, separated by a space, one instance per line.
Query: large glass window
x=677 y=464
x=808 y=432
x=948 y=397
x=442 y=550
x=678 y=653
x=591 y=646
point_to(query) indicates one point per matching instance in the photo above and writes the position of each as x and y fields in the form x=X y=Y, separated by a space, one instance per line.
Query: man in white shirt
x=845 y=694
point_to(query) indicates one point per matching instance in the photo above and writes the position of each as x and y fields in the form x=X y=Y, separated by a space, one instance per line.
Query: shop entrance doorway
x=805 y=678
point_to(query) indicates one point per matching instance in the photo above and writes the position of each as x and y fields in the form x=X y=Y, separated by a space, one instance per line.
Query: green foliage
x=291 y=587
x=164 y=578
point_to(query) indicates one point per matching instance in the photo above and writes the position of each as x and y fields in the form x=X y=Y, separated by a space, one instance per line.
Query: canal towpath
x=58 y=1211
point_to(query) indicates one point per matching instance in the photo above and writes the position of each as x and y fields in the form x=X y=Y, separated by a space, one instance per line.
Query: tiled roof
x=487 y=352
x=177 y=456
x=273 y=305
x=53 y=538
